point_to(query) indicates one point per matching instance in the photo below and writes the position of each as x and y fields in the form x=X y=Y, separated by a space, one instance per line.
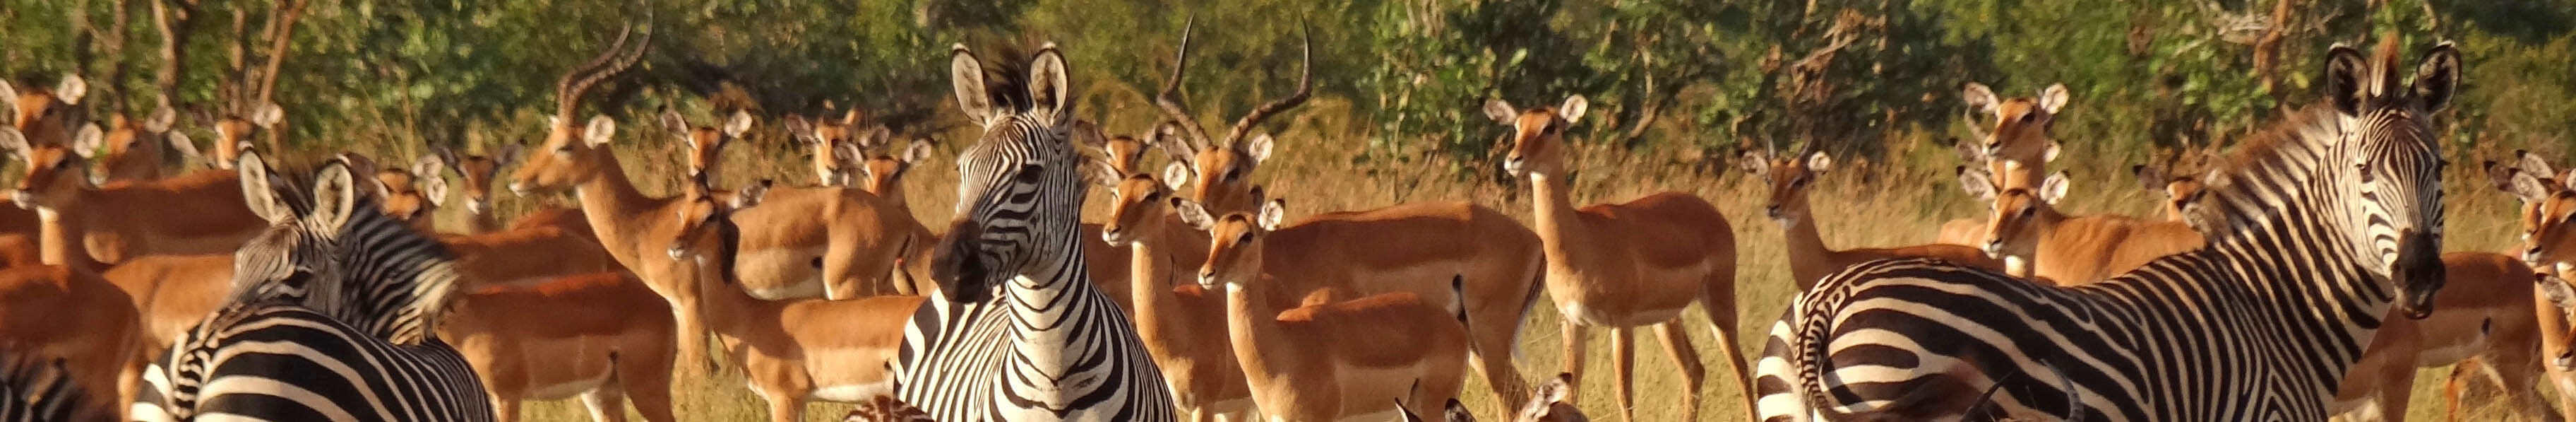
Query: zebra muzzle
x=2418 y=273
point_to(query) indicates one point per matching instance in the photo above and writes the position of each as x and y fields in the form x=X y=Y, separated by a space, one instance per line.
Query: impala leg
x=607 y=403
x=1722 y=325
x=1574 y=348
x=1623 y=356
x=1493 y=355
x=2521 y=385
x=1678 y=345
x=645 y=379
x=505 y=409
x=783 y=409
x=2454 y=387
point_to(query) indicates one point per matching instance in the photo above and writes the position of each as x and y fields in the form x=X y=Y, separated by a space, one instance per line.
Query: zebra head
x=2389 y=158
x=1020 y=186
x=329 y=247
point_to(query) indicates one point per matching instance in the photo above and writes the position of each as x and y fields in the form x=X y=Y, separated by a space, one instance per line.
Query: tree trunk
x=175 y=19
x=2267 y=52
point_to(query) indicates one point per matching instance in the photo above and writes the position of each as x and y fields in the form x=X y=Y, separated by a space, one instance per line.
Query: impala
x=412 y=195
x=605 y=337
x=2036 y=241
x=1408 y=247
x=706 y=144
x=2177 y=185
x=64 y=310
x=784 y=347
x=46 y=116
x=856 y=237
x=1183 y=325
x=1546 y=405
x=233 y=133
x=1624 y=265
x=2546 y=206
x=477 y=172
x=1810 y=259
x=2016 y=150
x=830 y=145
x=882 y=175
x=525 y=254
x=1299 y=362
x=130 y=219
x=2488 y=318
x=136 y=149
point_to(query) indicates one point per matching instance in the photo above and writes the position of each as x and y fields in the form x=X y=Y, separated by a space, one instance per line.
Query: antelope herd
x=1373 y=314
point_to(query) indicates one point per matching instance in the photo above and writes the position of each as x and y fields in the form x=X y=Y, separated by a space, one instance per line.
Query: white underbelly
x=568 y=388
x=1372 y=391
x=853 y=393
x=1593 y=317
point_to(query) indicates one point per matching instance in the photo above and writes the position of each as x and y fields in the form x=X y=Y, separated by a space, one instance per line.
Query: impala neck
x=59 y=239
x=726 y=308
x=1809 y=258
x=2043 y=223
x=1252 y=324
x=610 y=201
x=1559 y=226
x=1157 y=306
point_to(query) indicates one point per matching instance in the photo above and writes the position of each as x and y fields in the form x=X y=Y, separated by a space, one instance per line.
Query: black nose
x=2419 y=273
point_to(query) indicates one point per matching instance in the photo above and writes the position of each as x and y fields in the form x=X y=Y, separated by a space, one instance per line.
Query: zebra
x=332 y=317
x=2310 y=229
x=39 y=389
x=1044 y=345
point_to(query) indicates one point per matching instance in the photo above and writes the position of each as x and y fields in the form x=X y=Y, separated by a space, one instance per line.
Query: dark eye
x=2027 y=212
x=2030 y=117
x=2366 y=175
x=1801 y=181
x=1245 y=238
x=1229 y=175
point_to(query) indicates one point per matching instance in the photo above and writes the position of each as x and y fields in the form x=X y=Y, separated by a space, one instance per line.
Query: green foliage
x=1406 y=77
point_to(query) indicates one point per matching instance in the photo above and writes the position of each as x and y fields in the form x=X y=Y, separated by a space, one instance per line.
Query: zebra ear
x=966 y=75
x=259 y=189
x=1050 y=85
x=2347 y=78
x=2438 y=77
x=335 y=195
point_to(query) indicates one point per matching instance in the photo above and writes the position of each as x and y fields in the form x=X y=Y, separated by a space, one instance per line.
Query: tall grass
x=1899 y=199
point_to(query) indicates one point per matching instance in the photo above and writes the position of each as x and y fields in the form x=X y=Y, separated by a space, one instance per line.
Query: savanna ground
x=1897 y=201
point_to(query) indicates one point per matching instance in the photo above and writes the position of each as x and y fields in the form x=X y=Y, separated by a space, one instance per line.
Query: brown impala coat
x=604 y=336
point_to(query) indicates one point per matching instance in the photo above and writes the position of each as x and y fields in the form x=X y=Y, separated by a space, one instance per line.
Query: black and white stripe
x=2315 y=231
x=1045 y=345
x=36 y=389
x=332 y=318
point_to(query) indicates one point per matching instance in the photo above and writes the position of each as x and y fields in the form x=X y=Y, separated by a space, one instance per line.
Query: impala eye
x=1245 y=238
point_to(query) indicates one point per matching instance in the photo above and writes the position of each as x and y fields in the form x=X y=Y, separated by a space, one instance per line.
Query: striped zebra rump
x=287 y=363
x=38 y=389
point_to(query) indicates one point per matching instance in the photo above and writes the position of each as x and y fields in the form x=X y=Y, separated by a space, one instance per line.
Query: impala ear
x=86 y=142
x=1502 y=111
x=508 y=154
x=740 y=123
x=2556 y=290
x=2532 y=163
x=1100 y=174
x=259 y=190
x=268 y=115
x=427 y=165
x=750 y=195
x=1976 y=183
x=1969 y=152
x=1258 y=148
x=966 y=75
x=673 y=123
x=179 y=141
x=917 y=153
x=798 y=129
x=1979 y=97
x=1756 y=163
x=601 y=130
x=1193 y=213
x=2528 y=187
x=2150 y=176
x=161 y=119
x=2051 y=154
x=14 y=142
x=1272 y=213
x=2054 y=188
x=1573 y=109
x=2053 y=98
x=1050 y=86
x=877 y=137
x=1176 y=174
x=8 y=97
x=432 y=187
x=1820 y=163
x=72 y=89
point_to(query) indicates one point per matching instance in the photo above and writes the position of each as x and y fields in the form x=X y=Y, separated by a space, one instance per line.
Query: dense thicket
x=1405 y=76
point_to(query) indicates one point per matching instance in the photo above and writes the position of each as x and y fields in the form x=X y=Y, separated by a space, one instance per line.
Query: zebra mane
x=379 y=275
x=2265 y=173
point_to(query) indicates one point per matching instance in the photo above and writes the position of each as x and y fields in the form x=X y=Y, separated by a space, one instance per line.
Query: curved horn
x=615 y=60
x=1976 y=127
x=1305 y=86
x=1170 y=99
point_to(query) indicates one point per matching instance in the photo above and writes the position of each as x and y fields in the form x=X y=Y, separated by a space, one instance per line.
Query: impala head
x=706 y=215
x=1139 y=205
x=55 y=172
x=1234 y=241
x=574 y=153
x=46 y=115
x=882 y=173
x=1020 y=186
x=706 y=144
x=2013 y=229
x=411 y=195
x=135 y=150
x=478 y=172
x=1538 y=135
x=833 y=145
x=2021 y=125
x=2179 y=188
x=233 y=133
x=1126 y=154
x=1224 y=167
x=2547 y=237
x=1550 y=403
x=1789 y=177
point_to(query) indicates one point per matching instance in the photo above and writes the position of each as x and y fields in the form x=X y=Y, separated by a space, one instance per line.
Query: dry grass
x=1911 y=190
